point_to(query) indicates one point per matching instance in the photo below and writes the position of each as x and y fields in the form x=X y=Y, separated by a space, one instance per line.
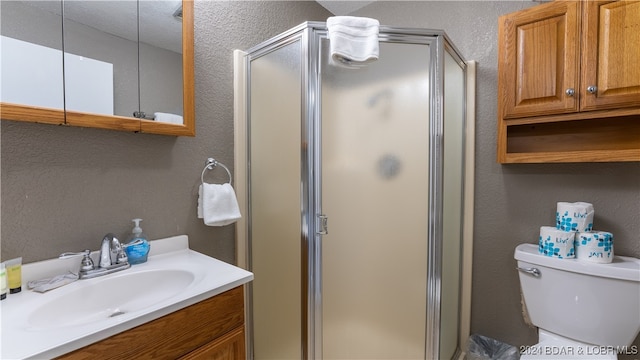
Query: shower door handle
x=323 y=224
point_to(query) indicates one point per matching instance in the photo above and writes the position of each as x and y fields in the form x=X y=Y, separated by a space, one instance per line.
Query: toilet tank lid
x=622 y=267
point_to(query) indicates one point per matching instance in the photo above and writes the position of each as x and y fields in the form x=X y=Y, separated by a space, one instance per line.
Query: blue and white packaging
x=594 y=246
x=556 y=243
x=577 y=216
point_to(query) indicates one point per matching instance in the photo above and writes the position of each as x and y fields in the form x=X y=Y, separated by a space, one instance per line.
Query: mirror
x=31 y=62
x=161 y=59
x=127 y=65
x=101 y=57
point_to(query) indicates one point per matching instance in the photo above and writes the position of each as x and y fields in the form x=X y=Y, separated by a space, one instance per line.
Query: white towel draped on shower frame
x=353 y=41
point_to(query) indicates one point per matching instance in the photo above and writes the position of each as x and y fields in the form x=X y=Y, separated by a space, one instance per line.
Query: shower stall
x=354 y=185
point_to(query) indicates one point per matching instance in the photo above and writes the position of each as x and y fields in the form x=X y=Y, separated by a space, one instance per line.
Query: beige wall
x=64 y=188
x=513 y=201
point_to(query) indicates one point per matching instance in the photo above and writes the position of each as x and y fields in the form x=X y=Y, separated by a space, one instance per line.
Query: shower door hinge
x=323 y=224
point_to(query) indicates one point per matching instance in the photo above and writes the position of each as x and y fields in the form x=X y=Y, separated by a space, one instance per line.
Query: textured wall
x=64 y=188
x=513 y=201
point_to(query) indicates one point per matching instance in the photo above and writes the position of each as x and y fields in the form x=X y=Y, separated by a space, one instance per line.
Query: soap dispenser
x=138 y=247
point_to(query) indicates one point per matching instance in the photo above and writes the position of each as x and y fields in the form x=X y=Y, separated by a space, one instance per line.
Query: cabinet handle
x=570 y=92
x=592 y=89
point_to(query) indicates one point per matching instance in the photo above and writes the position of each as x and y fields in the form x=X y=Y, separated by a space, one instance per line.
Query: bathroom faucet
x=111 y=252
x=112 y=258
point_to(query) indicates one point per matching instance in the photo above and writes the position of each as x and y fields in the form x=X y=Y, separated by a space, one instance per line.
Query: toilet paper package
x=556 y=243
x=594 y=246
x=577 y=216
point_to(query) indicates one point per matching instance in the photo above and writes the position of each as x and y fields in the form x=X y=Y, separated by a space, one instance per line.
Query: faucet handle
x=87 y=263
x=67 y=255
x=122 y=257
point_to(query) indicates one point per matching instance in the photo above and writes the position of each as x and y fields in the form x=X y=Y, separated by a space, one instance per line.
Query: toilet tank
x=591 y=303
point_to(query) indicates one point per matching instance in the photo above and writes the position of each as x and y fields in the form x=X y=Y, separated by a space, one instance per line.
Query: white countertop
x=21 y=340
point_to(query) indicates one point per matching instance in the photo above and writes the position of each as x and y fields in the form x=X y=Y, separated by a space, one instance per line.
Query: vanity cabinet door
x=538 y=60
x=611 y=55
x=228 y=347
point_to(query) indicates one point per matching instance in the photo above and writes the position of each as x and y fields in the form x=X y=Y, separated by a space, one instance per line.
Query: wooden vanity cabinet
x=210 y=329
x=569 y=82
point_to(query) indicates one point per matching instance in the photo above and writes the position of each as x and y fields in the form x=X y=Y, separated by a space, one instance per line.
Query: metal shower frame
x=310 y=35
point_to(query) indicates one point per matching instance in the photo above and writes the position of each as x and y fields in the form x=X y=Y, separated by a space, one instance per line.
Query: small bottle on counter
x=138 y=247
x=3 y=282
x=14 y=274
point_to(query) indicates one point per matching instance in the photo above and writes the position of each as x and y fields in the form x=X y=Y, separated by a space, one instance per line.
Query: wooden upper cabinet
x=569 y=82
x=569 y=56
x=538 y=60
x=611 y=54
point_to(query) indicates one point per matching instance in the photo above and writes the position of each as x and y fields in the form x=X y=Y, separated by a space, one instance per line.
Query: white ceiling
x=341 y=7
x=346 y=7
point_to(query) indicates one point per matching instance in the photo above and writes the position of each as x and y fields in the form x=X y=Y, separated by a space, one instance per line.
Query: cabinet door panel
x=611 y=54
x=539 y=60
x=229 y=347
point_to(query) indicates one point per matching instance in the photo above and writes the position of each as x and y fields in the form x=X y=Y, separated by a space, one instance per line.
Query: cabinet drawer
x=228 y=347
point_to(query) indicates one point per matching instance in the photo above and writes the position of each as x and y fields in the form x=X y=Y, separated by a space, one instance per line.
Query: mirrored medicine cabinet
x=120 y=65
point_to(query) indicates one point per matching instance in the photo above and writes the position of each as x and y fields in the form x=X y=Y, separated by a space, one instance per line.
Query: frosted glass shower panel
x=275 y=226
x=375 y=161
x=454 y=147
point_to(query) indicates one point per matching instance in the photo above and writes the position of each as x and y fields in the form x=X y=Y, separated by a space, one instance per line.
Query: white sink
x=46 y=325
x=111 y=296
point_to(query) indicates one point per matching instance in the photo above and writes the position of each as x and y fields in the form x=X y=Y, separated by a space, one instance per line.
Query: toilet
x=582 y=310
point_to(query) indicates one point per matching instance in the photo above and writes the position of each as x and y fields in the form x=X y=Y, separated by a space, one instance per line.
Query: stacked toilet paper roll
x=577 y=216
x=574 y=237
x=556 y=243
x=594 y=246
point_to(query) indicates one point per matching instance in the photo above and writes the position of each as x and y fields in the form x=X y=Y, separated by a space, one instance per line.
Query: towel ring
x=212 y=163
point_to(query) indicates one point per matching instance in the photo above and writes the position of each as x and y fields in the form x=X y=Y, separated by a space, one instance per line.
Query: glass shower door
x=374 y=191
x=275 y=164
